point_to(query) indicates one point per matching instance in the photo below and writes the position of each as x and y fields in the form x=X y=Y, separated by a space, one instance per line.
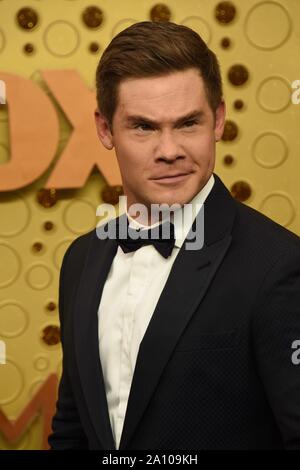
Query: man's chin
x=167 y=201
x=173 y=196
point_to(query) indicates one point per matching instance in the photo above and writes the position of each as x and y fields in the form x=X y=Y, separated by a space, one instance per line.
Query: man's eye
x=190 y=123
x=143 y=127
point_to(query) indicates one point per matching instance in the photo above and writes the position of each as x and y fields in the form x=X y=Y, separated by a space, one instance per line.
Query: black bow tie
x=162 y=237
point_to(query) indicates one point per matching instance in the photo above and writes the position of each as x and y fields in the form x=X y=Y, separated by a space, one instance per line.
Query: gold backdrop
x=257 y=43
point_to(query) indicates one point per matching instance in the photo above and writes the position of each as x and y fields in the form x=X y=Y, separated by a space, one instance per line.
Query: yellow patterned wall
x=257 y=43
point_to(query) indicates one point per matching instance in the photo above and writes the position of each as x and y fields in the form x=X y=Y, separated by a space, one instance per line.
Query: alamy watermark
x=190 y=216
x=2 y=92
x=2 y=352
x=296 y=354
x=296 y=93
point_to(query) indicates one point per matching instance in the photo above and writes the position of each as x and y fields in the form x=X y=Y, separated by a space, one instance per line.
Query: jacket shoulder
x=76 y=252
x=265 y=233
x=81 y=243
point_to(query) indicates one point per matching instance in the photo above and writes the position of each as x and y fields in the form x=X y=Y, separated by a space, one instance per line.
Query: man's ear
x=103 y=130
x=220 y=120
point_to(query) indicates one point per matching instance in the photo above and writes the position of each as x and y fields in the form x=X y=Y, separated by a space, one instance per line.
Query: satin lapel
x=98 y=262
x=189 y=279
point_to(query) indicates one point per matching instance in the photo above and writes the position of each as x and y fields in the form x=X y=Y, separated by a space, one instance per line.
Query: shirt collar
x=182 y=224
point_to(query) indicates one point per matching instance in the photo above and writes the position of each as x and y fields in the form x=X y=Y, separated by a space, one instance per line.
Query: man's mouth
x=167 y=179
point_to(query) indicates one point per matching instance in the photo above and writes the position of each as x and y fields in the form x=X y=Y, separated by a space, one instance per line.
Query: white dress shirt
x=131 y=292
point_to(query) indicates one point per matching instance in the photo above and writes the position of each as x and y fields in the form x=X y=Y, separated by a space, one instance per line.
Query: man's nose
x=168 y=146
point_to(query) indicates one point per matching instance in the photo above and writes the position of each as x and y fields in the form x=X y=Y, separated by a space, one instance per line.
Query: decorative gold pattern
x=228 y=160
x=110 y=194
x=230 y=131
x=238 y=75
x=160 y=12
x=51 y=306
x=238 y=105
x=226 y=43
x=265 y=152
x=37 y=246
x=28 y=48
x=241 y=190
x=225 y=12
x=48 y=225
x=51 y=335
x=47 y=197
x=94 y=47
x=92 y=17
x=27 y=18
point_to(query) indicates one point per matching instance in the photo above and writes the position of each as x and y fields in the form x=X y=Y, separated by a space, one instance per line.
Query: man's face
x=163 y=126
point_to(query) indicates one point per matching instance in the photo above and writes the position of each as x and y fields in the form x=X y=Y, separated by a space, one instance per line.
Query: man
x=191 y=348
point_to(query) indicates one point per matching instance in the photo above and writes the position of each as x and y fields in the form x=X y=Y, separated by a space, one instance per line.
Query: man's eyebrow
x=138 y=118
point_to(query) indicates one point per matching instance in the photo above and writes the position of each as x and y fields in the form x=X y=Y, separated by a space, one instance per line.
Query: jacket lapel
x=96 y=269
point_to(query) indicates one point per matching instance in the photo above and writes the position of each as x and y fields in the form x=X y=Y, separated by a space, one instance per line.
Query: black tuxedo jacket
x=217 y=367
